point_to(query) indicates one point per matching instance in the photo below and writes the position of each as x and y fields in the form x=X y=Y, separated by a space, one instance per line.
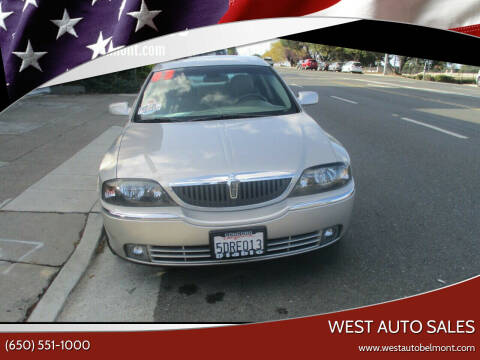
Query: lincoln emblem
x=232 y=184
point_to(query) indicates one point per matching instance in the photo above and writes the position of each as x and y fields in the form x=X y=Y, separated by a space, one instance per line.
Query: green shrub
x=466 y=81
x=427 y=77
x=445 y=78
x=128 y=81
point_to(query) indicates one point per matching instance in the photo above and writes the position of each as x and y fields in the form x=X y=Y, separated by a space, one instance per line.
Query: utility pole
x=424 y=69
x=385 y=66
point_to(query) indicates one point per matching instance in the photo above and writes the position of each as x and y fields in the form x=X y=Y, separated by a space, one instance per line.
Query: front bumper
x=180 y=237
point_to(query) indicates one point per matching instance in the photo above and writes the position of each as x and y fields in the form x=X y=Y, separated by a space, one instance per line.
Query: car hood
x=183 y=151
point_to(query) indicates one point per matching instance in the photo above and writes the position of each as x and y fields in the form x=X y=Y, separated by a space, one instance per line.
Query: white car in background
x=268 y=60
x=336 y=66
x=219 y=163
x=352 y=67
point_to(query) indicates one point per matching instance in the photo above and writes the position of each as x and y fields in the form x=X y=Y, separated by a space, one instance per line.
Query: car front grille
x=292 y=243
x=220 y=195
x=171 y=255
x=179 y=253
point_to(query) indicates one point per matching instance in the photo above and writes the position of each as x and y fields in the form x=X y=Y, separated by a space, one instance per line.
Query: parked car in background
x=268 y=60
x=219 y=163
x=216 y=52
x=309 y=64
x=336 y=66
x=299 y=65
x=478 y=78
x=353 y=67
x=322 y=66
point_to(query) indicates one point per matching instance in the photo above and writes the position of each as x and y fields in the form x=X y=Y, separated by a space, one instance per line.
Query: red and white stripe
x=458 y=15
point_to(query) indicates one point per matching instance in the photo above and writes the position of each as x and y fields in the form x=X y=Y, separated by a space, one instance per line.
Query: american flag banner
x=40 y=39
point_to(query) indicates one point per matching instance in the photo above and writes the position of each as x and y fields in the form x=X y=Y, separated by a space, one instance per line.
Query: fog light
x=138 y=252
x=331 y=233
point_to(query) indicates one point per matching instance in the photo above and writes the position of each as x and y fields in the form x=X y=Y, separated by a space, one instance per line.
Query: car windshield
x=214 y=92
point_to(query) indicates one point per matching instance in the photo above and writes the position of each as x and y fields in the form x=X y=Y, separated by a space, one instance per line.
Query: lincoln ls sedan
x=218 y=164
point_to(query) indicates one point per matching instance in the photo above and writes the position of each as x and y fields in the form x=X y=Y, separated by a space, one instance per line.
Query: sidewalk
x=48 y=235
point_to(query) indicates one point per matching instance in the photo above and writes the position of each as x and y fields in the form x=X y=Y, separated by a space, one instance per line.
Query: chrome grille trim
x=178 y=253
x=243 y=177
x=167 y=250
x=201 y=255
x=293 y=245
x=218 y=195
x=293 y=239
x=293 y=242
x=179 y=256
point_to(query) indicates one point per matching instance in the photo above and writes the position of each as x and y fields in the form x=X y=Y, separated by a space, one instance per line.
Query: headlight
x=322 y=178
x=133 y=192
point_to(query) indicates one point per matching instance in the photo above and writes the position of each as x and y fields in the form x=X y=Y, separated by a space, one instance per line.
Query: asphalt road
x=415 y=155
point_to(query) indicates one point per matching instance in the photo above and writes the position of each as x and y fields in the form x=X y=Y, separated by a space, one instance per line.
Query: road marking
x=36 y=245
x=393 y=85
x=376 y=85
x=435 y=128
x=296 y=85
x=342 y=99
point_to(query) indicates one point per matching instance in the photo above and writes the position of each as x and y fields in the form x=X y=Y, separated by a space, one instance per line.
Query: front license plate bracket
x=238 y=243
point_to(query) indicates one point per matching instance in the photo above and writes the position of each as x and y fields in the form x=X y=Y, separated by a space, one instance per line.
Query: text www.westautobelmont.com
x=416 y=348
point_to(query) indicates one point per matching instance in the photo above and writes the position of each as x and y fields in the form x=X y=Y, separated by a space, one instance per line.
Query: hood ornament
x=233 y=185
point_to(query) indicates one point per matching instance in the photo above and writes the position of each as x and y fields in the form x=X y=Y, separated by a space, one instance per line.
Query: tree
x=232 y=51
x=336 y=53
x=294 y=51
x=276 y=52
x=469 y=69
x=402 y=60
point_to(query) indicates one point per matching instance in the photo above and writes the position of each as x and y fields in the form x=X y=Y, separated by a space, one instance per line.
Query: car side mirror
x=120 y=108
x=307 y=97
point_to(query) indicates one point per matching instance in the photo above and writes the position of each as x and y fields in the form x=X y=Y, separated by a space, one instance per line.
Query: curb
x=52 y=302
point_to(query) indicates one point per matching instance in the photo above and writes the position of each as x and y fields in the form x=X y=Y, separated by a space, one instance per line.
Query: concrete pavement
x=71 y=187
x=47 y=222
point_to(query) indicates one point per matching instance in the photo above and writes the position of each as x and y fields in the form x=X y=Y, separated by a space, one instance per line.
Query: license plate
x=230 y=244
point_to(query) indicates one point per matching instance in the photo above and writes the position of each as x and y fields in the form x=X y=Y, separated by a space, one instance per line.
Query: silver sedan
x=219 y=163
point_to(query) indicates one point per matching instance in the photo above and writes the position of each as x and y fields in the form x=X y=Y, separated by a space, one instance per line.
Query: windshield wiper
x=202 y=118
x=225 y=117
x=161 y=120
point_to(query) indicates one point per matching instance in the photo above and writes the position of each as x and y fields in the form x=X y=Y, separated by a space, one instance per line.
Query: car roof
x=211 y=60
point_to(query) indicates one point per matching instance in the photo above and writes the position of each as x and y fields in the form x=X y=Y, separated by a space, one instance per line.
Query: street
x=415 y=151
